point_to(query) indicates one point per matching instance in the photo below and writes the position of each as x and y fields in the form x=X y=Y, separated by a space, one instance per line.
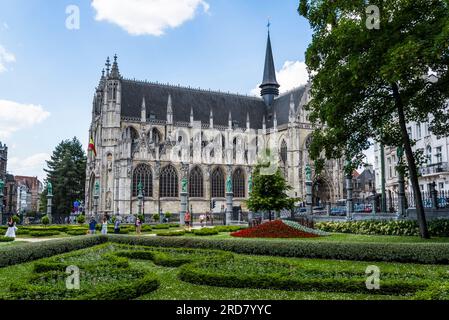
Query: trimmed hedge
x=75 y=232
x=11 y=255
x=161 y=226
x=206 y=273
x=6 y=239
x=48 y=233
x=437 y=228
x=426 y=253
x=205 y=232
x=228 y=228
x=171 y=234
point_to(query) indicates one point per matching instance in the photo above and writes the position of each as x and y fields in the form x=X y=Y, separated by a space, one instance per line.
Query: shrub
x=81 y=219
x=146 y=228
x=228 y=228
x=45 y=220
x=16 y=219
x=174 y=225
x=161 y=226
x=32 y=251
x=156 y=217
x=426 y=253
x=75 y=232
x=48 y=233
x=6 y=239
x=205 y=232
x=171 y=234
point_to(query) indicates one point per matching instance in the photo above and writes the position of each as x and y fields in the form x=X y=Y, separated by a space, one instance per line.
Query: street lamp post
x=49 y=199
x=2 y=185
x=309 y=183
x=96 y=197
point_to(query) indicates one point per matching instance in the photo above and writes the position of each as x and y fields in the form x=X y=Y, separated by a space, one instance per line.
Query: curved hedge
x=426 y=253
x=47 y=233
x=26 y=252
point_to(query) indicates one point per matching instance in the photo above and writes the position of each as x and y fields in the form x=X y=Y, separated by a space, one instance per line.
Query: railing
x=434 y=168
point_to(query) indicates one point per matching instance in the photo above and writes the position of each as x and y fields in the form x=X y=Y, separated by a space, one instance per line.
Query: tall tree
x=370 y=76
x=67 y=174
x=269 y=192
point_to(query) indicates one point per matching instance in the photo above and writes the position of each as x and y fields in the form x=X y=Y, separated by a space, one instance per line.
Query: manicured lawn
x=212 y=274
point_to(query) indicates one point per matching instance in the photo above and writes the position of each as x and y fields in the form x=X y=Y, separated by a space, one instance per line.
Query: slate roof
x=202 y=101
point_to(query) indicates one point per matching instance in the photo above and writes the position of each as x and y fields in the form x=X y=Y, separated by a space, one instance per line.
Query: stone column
x=349 y=201
x=401 y=195
x=229 y=207
x=49 y=205
x=96 y=197
x=184 y=198
x=434 y=195
x=308 y=174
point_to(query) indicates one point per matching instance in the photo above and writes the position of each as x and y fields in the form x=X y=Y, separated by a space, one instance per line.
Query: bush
x=156 y=217
x=16 y=219
x=161 y=226
x=48 y=233
x=437 y=228
x=425 y=253
x=33 y=251
x=75 y=232
x=146 y=228
x=171 y=234
x=81 y=219
x=174 y=225
x=205 y=232
x=6 y=239
x=45 y=220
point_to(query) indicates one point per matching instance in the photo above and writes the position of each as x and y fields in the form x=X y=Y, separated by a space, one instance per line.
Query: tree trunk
x=411 y=165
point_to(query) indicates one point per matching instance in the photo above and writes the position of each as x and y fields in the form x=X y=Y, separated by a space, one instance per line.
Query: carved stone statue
x=184 y=183
x=229 y=185
x=49 y=189
x=308 y=172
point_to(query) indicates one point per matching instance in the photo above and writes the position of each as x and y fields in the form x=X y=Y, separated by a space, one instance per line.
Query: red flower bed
x=273 y=229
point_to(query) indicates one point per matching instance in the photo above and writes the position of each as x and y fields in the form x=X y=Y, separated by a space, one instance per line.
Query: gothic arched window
x=218 y=183
x=238 y=183
x=283 y=152
x=169 y=183
x=196 y=189
x=143 y=174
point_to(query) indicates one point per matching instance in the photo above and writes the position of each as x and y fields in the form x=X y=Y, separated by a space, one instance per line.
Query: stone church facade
x=163 y=141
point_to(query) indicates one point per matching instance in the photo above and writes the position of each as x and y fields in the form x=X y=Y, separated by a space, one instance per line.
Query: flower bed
x=273 y=229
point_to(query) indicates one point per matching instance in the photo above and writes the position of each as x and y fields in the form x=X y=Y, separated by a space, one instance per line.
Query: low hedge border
x=11 y=255
x=49 y=233
x=425 y=253
x=194 y=273
x=6 y=239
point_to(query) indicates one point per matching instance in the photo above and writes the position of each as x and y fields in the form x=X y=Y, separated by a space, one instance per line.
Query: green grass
x=172 y=288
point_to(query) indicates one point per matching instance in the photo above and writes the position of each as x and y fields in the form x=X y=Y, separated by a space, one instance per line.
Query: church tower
x=270 y=86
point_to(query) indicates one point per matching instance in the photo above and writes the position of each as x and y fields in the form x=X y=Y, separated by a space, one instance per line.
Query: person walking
x=202 y=218
x=11 y=231
x=92 y=225
x=117 y=225
x=104 y=226
x=138 y=226
x=187 y=218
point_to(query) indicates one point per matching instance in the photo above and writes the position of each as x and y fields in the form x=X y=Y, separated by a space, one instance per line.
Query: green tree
x=269 y=192
x=368 y=83
x=67 y=173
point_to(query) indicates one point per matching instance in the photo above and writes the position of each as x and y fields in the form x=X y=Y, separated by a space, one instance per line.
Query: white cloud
x=5 y=58
x=32 y=166
x=292 y=75
x=15 y=116
x=147 y=17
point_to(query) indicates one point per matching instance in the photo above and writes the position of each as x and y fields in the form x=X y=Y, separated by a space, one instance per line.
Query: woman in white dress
x=104 y=226
x=11 y=232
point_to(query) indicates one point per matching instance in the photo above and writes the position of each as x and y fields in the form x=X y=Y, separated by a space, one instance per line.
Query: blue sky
x=48 y=73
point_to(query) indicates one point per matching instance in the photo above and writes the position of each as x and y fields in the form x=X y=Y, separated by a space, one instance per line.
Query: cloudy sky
x=51 y=61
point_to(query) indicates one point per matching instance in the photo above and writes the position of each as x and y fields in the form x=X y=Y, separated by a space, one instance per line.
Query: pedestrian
x=117 y=225
x=187 y=220
x=104 y=226
x=202 y=218
x=92 y=225
x=11 y=231
x=138 y=226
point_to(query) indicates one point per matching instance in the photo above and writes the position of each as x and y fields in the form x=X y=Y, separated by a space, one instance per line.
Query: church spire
x=108 y=66
x=115 y=73
x=270 y=86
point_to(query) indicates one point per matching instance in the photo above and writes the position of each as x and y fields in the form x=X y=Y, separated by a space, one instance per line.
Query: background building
x=158 y=135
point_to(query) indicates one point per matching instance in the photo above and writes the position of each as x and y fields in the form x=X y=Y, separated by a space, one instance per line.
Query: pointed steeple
x=270 y=86
x=230 y=120
x=169 y=110
x=115 y=73
x=108 y=66
x=144 y=111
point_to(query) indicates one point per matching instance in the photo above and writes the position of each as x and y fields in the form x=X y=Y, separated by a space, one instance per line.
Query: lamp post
x=140 y=198
x=229 y=200
x=49 y=199
x=96 y=197
x=308 y=172
x=184 y=196
x=2 y=185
